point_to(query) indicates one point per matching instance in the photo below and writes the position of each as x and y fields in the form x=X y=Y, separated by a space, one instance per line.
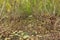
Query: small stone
x=26 y=36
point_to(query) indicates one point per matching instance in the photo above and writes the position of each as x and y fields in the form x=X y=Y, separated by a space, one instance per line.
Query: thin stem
x=2 y=8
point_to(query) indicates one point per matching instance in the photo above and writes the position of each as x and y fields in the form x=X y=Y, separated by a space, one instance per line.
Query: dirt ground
x=44 y=27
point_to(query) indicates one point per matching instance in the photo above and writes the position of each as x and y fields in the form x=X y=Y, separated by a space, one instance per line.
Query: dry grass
x=29 y=20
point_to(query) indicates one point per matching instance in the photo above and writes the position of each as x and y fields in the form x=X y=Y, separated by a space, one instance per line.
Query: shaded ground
x=44 y=27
